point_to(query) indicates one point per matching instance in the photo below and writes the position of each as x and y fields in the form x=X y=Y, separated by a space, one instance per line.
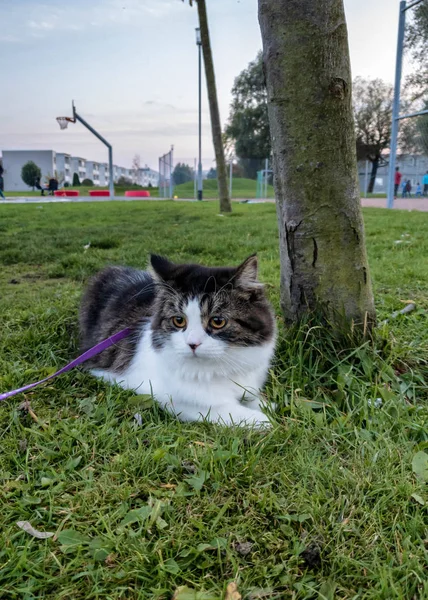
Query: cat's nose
x=194 y=346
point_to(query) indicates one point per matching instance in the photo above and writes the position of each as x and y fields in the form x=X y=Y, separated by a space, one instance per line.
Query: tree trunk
x=324 y=267
x=375 y=165
x=223 y=190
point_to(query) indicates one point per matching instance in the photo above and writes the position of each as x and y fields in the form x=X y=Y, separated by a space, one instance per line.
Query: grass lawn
x=241 y=188
x=325 y=505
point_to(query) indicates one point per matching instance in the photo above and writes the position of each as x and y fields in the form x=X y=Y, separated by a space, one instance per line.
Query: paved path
x=401 y=203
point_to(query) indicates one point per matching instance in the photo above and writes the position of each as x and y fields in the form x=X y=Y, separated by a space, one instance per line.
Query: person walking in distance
x=397 y=180
x=1 y=183
x=425 y=182
x=409 y=189
x=38 y=186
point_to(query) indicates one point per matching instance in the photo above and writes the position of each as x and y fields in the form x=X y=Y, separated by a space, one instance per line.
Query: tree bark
x=223 y=191
x=375 y=165
x=324 y=267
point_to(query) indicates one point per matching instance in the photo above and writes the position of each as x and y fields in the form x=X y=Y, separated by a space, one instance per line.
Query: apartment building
x=64 y=168
x=104 y=172
x=93 y=171
x=147 y=177
x=14 y=160
x=78 y=165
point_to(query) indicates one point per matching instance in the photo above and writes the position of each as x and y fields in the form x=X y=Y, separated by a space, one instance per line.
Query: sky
x=131 y=67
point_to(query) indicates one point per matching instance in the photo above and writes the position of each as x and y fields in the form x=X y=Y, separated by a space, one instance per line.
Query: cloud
x=44 y=25
x=10 y=39
x=101 y=13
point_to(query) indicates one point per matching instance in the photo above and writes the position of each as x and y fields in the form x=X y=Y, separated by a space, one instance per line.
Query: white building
x=78 y=165
x=147 y=177
x=63 y=168
x=14 y=160
x=104 y=174
x=120 y=172
x=93 y=171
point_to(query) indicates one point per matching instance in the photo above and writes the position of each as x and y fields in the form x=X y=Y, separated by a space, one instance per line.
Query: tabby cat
x=201 y=341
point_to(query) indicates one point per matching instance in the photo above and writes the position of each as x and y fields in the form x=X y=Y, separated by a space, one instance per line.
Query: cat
x=202 y=338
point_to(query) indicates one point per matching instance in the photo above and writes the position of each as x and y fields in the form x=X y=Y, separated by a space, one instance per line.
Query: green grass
x=241 y=188
x=319 y=507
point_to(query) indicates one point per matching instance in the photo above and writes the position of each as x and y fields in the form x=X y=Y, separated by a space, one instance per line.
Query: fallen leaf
x=418 y=499
x=28 y=528
x=243 y=548
x=111 y=560
x=232 y=592
x=189 y=467
x=420 y=465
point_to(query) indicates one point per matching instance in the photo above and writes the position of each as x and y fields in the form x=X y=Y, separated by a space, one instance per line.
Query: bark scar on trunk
x=315 y=253
x=338 y=88
x=290 y=230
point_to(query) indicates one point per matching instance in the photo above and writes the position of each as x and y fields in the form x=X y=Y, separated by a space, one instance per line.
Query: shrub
x=76 y=180
x=124 y=181
x=88 y=182
x=30 y=172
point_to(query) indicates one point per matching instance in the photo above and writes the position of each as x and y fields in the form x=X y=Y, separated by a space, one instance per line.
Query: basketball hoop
x=64 y=121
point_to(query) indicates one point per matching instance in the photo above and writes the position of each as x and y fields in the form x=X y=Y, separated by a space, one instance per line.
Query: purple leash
x=74 y=363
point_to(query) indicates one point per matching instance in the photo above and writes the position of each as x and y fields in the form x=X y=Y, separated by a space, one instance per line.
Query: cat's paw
x=261 y=404
x=245 y=417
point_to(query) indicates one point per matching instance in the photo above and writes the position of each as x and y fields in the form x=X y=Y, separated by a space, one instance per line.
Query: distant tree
x=250 y=166
x=136 y=166
x=124 y=181
x=417 y=42
x=212 y=173
x=182 y=173
x=422 y=129
x=222 y=184
x=248 y=125
x=87 y=182
x=30 y=172
x=372 y=113
x=76 y=180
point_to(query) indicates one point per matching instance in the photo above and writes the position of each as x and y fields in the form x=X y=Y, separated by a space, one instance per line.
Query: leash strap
x=100 y=347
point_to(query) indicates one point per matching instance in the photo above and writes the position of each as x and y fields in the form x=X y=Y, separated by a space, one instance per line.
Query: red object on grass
x=66 y=193
x=137 y=194
x=99 y=193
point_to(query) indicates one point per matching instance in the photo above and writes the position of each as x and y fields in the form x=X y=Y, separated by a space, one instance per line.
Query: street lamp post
x=199 y=44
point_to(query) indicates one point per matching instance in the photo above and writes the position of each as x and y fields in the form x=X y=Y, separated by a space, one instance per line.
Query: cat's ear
x=163 y=268
x=246 y=274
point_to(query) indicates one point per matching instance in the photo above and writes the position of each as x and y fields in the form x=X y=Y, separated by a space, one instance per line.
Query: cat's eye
x=217 y=322
x=179 y=322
